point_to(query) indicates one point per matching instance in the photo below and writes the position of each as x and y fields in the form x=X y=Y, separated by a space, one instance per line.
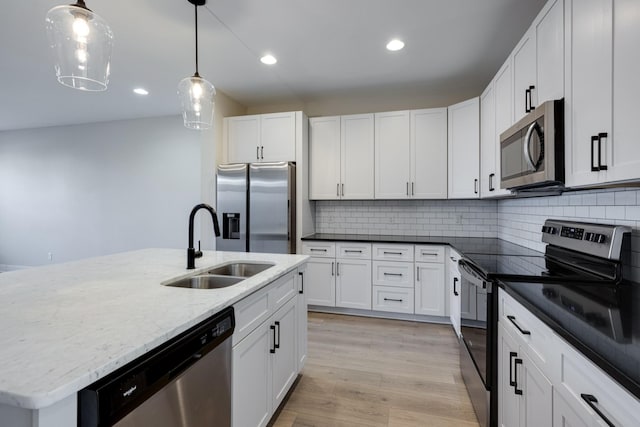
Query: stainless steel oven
x=532 y=150
x=477 y=362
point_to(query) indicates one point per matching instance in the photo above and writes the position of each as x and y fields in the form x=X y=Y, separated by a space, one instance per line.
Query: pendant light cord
x=197 y=75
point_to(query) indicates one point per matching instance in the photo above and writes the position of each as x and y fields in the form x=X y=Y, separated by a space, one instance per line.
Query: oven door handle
x=475 y=277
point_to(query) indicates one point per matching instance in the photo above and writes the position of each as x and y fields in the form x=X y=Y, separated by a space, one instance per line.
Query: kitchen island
x=65 y=326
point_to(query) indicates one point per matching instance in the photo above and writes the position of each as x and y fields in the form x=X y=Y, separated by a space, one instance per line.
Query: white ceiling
x=324 y=48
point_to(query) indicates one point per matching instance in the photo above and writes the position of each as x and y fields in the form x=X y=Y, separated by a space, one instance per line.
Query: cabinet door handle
x=491 y=175
x=392 y=274
x=257 y=152
x=261 y=152
x=338 y=189
x=455 y=280
x=342 y=190
x=393 y=299
x=591 y=401
x=526 y=98
x=273 y=329
x=417 y=273
x=277 y=344
x=407 y=188
x=337 y=269
x=594 y=167
x=332 y=268
x=601 y=136
x=512 y=319
x=512 y=354
x=531 y=106
x=301 y=291
x=413 y=191
x=515 y=376
x=475 y=186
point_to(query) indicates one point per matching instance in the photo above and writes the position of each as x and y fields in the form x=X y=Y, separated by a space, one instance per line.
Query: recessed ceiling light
x=395 y=44
x=141 y=91
x=268 y=59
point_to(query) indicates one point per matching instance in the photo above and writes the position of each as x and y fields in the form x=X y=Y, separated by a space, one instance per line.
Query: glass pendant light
x=196 y=93
x=81 y=43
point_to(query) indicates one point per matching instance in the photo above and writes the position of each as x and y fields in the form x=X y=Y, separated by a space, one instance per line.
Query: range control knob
x=600 y=238
x=588 y=237
x=552 y=230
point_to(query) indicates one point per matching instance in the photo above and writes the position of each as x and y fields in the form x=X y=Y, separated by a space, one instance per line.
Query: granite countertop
x=465 y=245
x=64 y=326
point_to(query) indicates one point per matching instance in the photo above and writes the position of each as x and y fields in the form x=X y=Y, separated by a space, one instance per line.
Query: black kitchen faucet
x=192 y=254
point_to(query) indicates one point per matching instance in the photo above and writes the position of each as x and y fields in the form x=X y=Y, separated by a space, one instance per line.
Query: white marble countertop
x=64 y=326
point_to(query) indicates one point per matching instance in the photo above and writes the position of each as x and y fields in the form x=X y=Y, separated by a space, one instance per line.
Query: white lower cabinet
x=429 y=289
x=353 y=283
x=453 y=289
x=320 y=282
x=302 y=318
x=544 y=381
x=266 y=362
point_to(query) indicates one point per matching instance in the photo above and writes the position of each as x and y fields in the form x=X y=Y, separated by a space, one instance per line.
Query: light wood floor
x=376 y=372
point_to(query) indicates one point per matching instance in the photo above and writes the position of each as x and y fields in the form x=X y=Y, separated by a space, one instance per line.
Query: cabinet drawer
x=282 y=290
x=384 y=252
x=579 y=376
x=389 y=273
x=250 y=312
x=319 y=249
x=353 y=250
x=398 y=300
x=429 y=253
x=527 y=329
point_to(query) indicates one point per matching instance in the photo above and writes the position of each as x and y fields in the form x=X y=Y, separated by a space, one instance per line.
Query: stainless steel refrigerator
x=256 y=207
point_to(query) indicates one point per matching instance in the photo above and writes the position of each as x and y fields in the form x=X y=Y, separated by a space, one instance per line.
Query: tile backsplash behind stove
x=516 y=220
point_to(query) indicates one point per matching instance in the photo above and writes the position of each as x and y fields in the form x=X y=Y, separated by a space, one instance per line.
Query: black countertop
x=611 y=341
x=602 y=322
x=464 y=245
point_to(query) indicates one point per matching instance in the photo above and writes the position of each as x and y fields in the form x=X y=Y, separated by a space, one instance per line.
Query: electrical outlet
x=50 y=256
x=459 y=219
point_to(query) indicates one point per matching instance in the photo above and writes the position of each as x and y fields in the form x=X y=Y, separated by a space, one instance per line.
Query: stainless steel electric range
x=580 y=254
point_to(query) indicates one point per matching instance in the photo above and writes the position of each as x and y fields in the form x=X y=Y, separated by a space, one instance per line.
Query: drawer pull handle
x=428 y=254
x=317 y=250
x=352 y=251
x=512 y=354
x=515 y=377
x=512 y=319
x=392 y=253
x=393 y=299
x=392 y=274
x=273 y=349
x=591 y=401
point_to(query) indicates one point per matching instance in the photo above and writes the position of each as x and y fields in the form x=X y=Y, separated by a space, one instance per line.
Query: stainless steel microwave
x=532 y=150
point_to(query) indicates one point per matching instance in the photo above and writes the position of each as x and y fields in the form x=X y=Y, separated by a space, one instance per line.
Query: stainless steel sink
x=241 y=269
x=206 y=281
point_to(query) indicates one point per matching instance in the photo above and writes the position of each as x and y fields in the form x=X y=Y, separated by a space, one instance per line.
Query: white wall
x=87 y=190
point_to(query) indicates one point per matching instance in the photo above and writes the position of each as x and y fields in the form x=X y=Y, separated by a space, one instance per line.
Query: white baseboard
x=9 y=267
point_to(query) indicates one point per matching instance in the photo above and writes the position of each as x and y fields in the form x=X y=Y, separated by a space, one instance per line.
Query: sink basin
x=241 y=269
x=206 y=281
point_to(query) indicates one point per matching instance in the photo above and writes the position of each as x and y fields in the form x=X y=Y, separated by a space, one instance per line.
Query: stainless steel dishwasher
x=186 y=382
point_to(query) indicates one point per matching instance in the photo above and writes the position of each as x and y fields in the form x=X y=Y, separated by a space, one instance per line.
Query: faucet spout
x=192 y=254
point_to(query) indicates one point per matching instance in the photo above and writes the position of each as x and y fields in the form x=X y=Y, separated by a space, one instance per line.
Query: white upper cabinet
x=524 y=75
x=392 y=155
x=261 y=138
x=411 y=154
x=625 y=149
x=464 y=150
x=588 y=108
x=550 y=53
x=503 y=87
x=488 y=143
x=356 y=156
x=429 y=154
x=324 y=158
x=341 y=157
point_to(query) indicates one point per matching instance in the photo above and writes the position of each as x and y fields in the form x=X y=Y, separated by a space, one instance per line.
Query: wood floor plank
x=378 y=372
